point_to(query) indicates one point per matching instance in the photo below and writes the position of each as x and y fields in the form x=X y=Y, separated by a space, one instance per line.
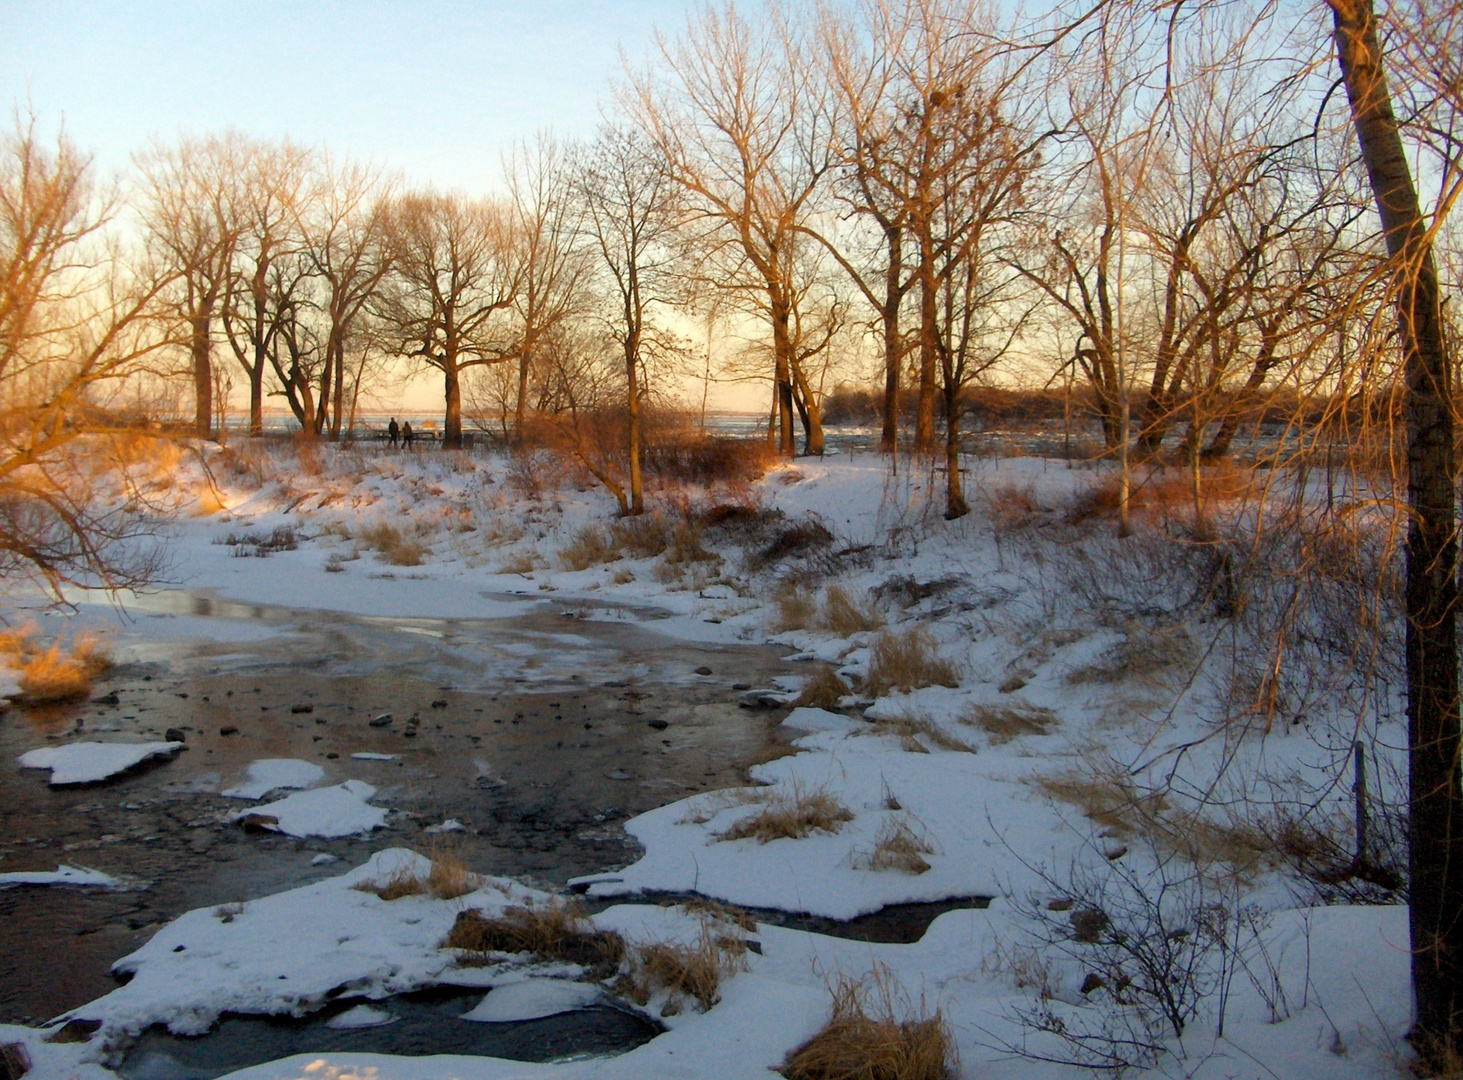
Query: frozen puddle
x=419 y=1024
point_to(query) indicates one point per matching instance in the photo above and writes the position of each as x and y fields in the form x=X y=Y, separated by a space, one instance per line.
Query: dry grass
x=591 y=546
x=917 y=734
x=823 y=690
x=845 y=617
x=871 y=1036
x=520 y=562
x=796 y=609
x=448 y=879
x=790 y=816
x=682 y=971
x=394 y=548
x=1163 y=494
x=554 y=931
x=907 y=661
x=57 y=673
x=900 y=845
x=1006 y=722
x=1147 y=655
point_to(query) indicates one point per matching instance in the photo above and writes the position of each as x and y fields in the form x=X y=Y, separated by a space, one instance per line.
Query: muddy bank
x=539 y=735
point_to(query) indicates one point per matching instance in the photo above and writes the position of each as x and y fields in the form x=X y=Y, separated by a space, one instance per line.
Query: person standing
x=392 y=431
x=406 y=436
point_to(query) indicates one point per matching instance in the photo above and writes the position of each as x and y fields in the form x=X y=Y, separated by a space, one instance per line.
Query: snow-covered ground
x=1000 y=786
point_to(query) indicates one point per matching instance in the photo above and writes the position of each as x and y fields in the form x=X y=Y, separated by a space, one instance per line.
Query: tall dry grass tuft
x=844 y=616
x=60 y=674
x=795 y=610
x=447 y=879
x=900 y=845
x=394 y=548
x=871 y=1037
x=907 y=661
x=823 y=690
x=790 y=816
x=553 y=931
x=685 y=971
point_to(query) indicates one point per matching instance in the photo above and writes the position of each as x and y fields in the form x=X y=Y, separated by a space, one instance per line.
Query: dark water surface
x=541 y=734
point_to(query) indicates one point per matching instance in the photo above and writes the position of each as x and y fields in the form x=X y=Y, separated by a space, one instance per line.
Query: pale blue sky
x=436 y=89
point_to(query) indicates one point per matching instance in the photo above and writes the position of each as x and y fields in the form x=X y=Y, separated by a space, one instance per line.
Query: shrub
x=907 y=661
x=262 y=545
x=797 y=539
x=790 y=817
x=555 y=931
x=871 y=1036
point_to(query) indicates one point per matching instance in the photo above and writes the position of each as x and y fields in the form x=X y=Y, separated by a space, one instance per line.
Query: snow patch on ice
x=77 y=876
x=271 y=774
x=91 y=762
x=341 y=810
x=532 y=999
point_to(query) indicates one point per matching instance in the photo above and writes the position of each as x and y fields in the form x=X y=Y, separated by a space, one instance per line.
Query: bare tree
x=733 y=110
x=549 y=267
x=268 y=193
x=454 y=279
x=188 y=206
x=1435 y=898
x=345 y=228
x=627 y=197
x=74 y=325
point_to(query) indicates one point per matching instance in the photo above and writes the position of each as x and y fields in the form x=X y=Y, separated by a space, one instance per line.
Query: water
x=423 y=1023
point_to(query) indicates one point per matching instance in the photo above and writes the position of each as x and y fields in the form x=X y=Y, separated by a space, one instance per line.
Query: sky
x=434 y=88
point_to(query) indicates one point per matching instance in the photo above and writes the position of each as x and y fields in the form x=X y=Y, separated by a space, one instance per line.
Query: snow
x=362 y=1016
x=341 y=810
x=92 y=762
x=271 y=774
x=76 y=876
x=449 y=826
x=532 y=999
x=982 y=801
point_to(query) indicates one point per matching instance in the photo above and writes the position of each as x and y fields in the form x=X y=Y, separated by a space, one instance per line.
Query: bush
x=393 y=548
x=907 y=661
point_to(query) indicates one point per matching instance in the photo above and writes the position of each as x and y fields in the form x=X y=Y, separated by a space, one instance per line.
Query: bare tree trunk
x=452 y=422
x=201 y=352
x=1435 y=905
x=632 y=408
x=782 y=351
x=522 y=405
x=893 y=295
x=924 y=417
x=955 y=504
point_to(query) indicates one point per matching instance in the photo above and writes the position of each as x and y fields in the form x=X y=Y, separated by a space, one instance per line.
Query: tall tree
x=627 y=196
x=189 y=208
x=733 y=109
x=454 y=278
x=1435 y=779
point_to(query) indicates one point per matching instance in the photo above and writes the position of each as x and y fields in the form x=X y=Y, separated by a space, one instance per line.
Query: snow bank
x=91 y=762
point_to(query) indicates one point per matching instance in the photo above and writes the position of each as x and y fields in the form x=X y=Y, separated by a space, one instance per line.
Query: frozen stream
x=539 y=733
